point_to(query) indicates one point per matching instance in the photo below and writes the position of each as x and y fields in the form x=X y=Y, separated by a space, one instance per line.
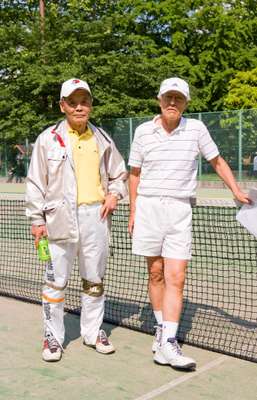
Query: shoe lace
x=103 y=337
x=175 y=346
x=52 y=343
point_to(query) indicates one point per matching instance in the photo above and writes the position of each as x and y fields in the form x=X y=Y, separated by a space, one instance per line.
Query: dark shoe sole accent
x=51 y=361
x=188 y=368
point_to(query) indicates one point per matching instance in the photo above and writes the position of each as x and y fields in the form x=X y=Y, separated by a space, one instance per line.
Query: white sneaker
x=51 y=350
x=171 y=354
x=157 y=337
x=103 y=344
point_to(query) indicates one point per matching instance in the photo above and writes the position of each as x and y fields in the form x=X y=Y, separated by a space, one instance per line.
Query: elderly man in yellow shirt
x=86 y=162
x=75 y=178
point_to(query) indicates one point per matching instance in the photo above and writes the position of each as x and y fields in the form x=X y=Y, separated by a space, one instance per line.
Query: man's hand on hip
x=110 y=204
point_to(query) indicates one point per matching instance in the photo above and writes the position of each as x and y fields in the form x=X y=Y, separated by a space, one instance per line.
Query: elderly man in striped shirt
x=163 y=163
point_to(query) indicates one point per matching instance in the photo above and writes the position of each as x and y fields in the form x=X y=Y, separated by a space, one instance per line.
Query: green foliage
x=123 y=49
x=243 y=90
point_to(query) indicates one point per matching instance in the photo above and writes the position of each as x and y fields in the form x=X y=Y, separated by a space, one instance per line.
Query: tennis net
x=220 y=297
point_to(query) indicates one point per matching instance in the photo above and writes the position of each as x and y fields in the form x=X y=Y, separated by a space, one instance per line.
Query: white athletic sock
x=158 y=316
x=169 y=330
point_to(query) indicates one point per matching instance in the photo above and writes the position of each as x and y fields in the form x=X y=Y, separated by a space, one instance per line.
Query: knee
x=92 y=289
x=176 y=280
x=156 y=278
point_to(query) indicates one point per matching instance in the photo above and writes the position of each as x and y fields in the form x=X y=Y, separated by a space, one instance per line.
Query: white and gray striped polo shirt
x=169 y=162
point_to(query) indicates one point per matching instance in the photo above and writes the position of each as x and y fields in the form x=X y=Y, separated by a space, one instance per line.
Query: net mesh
x=220 y=297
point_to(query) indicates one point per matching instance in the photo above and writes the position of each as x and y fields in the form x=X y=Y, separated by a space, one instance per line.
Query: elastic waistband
x=167 y=199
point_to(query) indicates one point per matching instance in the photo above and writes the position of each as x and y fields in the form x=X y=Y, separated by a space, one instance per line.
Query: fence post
x=240 y=146
x=130 y=137
x=130 y=132
x=5 y=160
x=200 y=166
x=26 y=156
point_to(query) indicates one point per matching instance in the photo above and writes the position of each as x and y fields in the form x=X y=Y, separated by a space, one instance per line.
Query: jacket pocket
x=55 y=159
x=57 y=155
x=59 y=220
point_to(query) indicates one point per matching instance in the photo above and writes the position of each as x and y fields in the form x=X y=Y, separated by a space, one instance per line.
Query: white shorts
x=163 y=227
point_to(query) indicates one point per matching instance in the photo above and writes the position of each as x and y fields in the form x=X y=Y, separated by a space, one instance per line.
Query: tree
x=242 y=90
x=123 y=49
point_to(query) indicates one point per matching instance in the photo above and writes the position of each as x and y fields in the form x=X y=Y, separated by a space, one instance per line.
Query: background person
x=19 y=171
x=10 y=174
x=163 y=175
x=75 y=178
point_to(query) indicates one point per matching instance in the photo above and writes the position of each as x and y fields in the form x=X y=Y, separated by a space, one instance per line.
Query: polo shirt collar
x=87 y=132
x=158 y=129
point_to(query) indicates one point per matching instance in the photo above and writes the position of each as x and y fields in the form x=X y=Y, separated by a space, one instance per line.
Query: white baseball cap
x=69 y=86
x=176 y=84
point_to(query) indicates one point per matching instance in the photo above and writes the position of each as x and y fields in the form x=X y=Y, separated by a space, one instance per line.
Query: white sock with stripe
x=158 y=316
x=169 y=330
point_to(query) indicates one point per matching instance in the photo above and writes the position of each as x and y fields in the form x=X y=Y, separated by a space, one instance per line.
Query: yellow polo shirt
x=86 y=162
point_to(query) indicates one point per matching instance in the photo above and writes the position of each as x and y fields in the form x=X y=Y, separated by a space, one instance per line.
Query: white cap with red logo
x=71 y=85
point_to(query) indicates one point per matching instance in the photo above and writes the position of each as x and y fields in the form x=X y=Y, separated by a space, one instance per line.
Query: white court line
x=186 y=377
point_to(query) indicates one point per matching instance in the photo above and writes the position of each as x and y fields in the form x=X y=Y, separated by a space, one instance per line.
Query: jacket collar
x=62 y=136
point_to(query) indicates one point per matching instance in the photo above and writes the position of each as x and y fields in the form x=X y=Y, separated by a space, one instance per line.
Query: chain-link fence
x=235 y=133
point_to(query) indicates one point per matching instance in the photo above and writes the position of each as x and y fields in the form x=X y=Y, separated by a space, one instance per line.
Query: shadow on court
x=128 y=374
x=72 y=328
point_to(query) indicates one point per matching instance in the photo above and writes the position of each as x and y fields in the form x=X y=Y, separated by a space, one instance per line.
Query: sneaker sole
x=161 y=360
x=51 y=360
x=93 y=346
x=188 y=367
x=105 y=352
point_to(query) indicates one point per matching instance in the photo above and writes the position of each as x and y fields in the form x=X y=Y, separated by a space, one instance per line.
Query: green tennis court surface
x=128 y=374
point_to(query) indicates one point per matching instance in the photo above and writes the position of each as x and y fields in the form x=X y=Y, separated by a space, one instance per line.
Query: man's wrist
x=115 y=194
